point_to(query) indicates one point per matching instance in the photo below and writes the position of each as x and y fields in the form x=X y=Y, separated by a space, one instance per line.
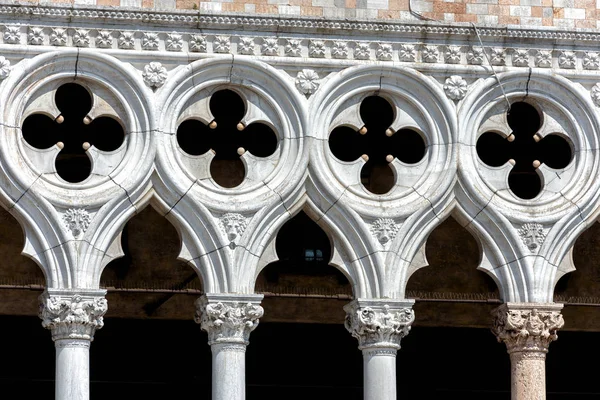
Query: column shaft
x=72 y=369
x=228 y=371
x=528 y=376
x=379 y=374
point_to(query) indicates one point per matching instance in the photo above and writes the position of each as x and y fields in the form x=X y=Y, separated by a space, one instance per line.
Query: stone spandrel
x=228 y=319
x=527 y=327
x=379 y=323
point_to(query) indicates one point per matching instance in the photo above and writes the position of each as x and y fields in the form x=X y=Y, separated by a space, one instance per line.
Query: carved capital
x=72 y=315
x=379 y=323
x=527 y=327
x=228 y=318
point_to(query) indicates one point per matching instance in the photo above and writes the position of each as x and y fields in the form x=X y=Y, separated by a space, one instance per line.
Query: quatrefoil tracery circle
x=232 y=140
x=378 y=143
x=69 y=128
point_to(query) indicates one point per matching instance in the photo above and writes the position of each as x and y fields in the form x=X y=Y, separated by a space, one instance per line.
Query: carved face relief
x=384 y=230
x=533 y=235
x=233 y=225
x=76 y=220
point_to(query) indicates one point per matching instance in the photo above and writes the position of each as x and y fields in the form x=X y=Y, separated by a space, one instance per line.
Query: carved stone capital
x=72 y=315
x=228 y=318
x=379 y=323
x=527 y=327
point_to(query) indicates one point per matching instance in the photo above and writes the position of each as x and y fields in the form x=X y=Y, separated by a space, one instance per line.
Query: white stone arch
x=413 y=209
x=563 y=209
x=40 y=198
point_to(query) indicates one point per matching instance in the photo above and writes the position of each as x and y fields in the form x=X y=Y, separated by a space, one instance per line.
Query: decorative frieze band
x=379 y=323
x=527 y=327
x=228 y=318
x=270 y=46
x=72 y=316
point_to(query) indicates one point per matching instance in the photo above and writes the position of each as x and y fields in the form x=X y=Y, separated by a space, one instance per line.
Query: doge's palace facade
x=493 y=107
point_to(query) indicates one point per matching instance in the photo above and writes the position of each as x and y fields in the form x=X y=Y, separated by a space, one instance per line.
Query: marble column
x=228 y=319
x=527 y=329
x=72 y=317
x=379 y=325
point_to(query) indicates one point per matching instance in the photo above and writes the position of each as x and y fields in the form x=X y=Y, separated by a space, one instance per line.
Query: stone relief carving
x=198 y=44
x=532 y=235
x=362 y=51
x=407 y=53
x=72 y=317
x=591 y=60
x=520 y=58
x=543 y=58
x=339 y=50
x=150 y=41
x=4 y=68
x=384 y=52
x=126 y=40
x=293 y=48
x=455 y=87
x=155 y=75
x=270 y=47
x=595 y=93
x=222 y=44
x=174 y=42
x=430 y=54
x=227 y=322
x=384 y=230
x=76 y=220
x=58 y=37
x=246 y=46
x=81 y=38
x=307 y=81
x=475 y=55
x=453 y=54
x=316 y=49
x=567 y=60
x=12 y=35
x=35 y=36
x=378 y=327
x=526 y=330
x=233 y=225
x=497 y=56
x=104 y=39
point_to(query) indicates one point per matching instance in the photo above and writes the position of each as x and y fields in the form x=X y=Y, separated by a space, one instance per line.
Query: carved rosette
x=527 y=327
x=72 y=316
x=379 y=324
x=228 y=319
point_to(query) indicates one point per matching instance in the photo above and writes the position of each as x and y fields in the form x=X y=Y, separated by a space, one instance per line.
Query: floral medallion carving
x=270 y=47
x=591 y=60
x=453 y=54
x=430 y=54
x=222 y=44
x=595 y=93
x=246 y=45
x=35 y=36
x=378 y=326
x=407 y=53
x=532 y=235
x=104 y=39
x=527 y=330
x=316 y=49
x=81 y=38
x=384 y=230
x=384 y=52
x=543 y=58
x=497 y=56
x=233 y=225
x=362 y=51
x=520 y=58
x=293 y=48
x=567 y=60
x=339 y=50
x=155 y=75
x=475 y=55
x=307 y=81
x=58 y=37
x=76 y=220
x=72 y=317
x=12 y=35
x=174 y=42
x=126 y=40
x=227 y=321
x=455 y=87
x=4 y=68
x=197 y=44
x=150 y=41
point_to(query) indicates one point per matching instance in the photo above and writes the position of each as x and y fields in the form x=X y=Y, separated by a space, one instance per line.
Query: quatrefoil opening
x=526 y=148
x=73 y=133
x=378 y=145
x=227 y=137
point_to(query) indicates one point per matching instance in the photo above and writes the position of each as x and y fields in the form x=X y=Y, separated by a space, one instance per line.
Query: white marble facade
x=151 y=71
